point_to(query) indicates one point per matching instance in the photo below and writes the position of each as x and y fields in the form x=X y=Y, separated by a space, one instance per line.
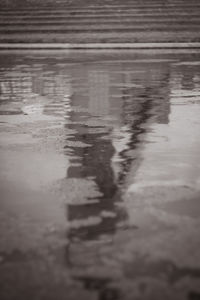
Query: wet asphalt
x=100 y=175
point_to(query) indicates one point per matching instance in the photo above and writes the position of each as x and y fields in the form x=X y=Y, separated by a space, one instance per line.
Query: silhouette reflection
x=105 y=108
x=93 y=161
x=111 y=107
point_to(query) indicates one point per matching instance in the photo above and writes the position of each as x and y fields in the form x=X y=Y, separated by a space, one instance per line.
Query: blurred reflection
x=92 y=161
x=106 y=108
x=111 y=104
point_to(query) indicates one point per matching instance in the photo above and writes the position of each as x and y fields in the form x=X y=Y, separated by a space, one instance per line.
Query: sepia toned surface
x=105 y=21
x=100 y=176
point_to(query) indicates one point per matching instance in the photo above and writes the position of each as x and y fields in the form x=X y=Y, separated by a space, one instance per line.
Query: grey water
x=94 y=138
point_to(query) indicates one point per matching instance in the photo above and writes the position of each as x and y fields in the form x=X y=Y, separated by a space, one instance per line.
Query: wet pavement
x=90 y=22
x=100 y=176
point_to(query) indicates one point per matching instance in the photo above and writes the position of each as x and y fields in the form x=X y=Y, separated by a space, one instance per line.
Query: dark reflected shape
x=94 y=283
x=8 y=112
x=193 y=296
x=101 y=285
x=94 y=163
x=109 y=294
x=95 y=160
x=106 y=108
x=125 y=95
x=143 y=113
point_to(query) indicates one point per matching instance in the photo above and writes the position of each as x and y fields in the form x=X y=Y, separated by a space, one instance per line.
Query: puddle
x=104 y=128
x=122 y=121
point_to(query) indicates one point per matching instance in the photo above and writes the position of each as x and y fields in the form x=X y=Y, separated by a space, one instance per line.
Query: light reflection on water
x=107 y=109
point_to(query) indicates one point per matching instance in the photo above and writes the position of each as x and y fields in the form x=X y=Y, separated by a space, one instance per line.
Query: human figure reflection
x=93 y=162
x=109 y=102
x=107 y=106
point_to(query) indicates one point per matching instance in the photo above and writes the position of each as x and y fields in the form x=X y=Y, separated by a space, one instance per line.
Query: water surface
x=98 y=130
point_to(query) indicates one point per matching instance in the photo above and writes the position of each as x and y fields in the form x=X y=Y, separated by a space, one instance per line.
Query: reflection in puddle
x=109 y=112
x=106 y=109
x=121 y=122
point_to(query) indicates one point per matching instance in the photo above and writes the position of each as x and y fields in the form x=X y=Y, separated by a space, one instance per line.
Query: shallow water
x=98 y=131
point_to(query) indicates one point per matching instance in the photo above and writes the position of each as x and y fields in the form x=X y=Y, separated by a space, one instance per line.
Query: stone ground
x=99 y=21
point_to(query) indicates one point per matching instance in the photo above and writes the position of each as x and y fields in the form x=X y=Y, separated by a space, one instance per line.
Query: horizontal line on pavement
x=30 y=46
x=135 y=19
x=99 y=28
x=48 y=21
x=103 y=6
x=102 y=16
x=109 y=23
x=96 y=12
